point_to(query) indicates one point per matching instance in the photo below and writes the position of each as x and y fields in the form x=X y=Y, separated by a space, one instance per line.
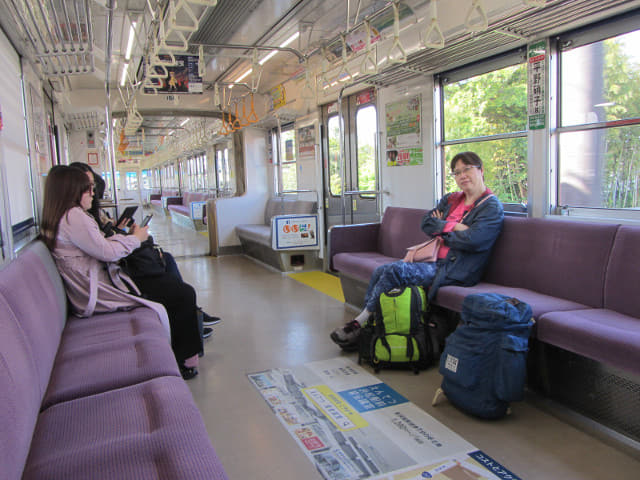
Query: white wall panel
x=411 y=185
x=13 y=142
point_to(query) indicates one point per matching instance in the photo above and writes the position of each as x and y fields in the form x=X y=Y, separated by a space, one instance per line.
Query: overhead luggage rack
x=60 y=33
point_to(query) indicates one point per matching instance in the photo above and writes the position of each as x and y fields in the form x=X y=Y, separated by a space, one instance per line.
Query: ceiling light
x=123 y=79
x=282 y=45
x=290 y=39
x=269 y=56
x=184 y=122
x=171 y=132
x=242 y=77
x=132 y=35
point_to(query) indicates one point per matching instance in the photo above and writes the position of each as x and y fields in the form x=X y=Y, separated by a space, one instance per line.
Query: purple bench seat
x=554 y=265
x=579 y=278
x=180 y=209
x=256 y=239
x=90 y=396
x=159 y=200
x=182 y=205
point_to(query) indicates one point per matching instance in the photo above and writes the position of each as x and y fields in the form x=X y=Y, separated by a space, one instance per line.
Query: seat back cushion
x=35 y=294
x=20 y=394
x=560 y=258
x=621 y=289
x=287 y=206
x=400 y=229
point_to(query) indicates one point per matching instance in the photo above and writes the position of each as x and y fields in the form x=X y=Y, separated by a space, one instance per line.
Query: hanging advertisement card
x=182 y=77
x=536 y=85
x=278 y=97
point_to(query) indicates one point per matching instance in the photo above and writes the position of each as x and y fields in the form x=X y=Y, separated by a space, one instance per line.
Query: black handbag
x=144 y=261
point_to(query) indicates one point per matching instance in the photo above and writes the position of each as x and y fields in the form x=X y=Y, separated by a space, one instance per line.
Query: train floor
x=273 y=321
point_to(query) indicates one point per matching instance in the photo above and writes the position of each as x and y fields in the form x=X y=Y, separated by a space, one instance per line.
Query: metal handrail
x=364 y=192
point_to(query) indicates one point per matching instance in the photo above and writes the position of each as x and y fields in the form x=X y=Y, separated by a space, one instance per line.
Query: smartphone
x=146 y=220
x=127 y=214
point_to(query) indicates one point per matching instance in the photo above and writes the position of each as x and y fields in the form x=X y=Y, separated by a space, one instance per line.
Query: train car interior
x=280 y=151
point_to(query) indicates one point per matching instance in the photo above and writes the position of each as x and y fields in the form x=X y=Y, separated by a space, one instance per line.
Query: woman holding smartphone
x=94 y=282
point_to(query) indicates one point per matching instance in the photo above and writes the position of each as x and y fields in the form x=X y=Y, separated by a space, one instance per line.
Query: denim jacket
x=469 y=249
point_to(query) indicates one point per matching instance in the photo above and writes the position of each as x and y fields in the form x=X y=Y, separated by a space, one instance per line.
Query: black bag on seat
x=144 y=261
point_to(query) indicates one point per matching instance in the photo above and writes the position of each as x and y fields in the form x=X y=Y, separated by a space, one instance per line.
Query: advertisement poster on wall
x=307 y=143
x=403 y=138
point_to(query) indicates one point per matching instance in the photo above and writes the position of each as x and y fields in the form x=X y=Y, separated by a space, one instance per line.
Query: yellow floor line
x=323 y=282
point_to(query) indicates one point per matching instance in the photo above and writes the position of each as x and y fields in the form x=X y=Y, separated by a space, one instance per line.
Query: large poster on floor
x=352 y=426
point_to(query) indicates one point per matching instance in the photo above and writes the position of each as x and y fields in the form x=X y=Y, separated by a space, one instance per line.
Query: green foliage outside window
x=621 y=179
x=335 y=183
x=490 y=104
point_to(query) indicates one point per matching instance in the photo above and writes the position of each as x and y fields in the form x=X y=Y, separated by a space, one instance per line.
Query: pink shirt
x=455 y=216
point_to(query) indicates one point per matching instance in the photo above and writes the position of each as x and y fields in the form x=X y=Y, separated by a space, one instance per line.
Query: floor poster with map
x=352 y=426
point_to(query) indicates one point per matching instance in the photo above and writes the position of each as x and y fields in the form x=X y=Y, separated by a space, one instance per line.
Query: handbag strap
x=477 y=204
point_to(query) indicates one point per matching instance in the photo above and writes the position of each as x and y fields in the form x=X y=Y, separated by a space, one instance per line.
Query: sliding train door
x=350 y=161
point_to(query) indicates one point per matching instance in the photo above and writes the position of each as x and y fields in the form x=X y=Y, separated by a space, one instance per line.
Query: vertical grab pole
x=110 y=144
x=342 y=156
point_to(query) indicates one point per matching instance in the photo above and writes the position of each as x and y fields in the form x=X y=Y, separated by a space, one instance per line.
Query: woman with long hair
x=87 y=263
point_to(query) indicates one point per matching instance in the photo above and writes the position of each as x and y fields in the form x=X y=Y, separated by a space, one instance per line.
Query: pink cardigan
x=85 y=259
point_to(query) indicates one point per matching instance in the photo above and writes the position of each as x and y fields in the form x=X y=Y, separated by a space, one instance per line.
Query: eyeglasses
x=465 y=170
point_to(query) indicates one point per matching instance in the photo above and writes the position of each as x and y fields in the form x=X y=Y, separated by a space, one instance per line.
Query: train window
x=107 y=178
x=366 y=128
x=484 y=109
x=131 y=181
x=223 y=171
x=333 y=135
x=145 y=179
x=599 y=119
x=193 y=173
x=288 y=171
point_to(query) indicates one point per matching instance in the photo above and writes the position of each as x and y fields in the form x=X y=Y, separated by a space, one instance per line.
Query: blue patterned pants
x=397 y=275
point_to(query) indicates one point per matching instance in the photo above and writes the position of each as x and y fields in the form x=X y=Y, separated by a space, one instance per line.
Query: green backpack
x=395 y=336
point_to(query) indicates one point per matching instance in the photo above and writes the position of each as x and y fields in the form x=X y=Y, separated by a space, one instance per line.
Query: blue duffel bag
x=484 y=360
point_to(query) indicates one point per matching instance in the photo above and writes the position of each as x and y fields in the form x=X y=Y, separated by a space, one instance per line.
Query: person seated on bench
x=94 y=282
x=107 y=225
x=468 y=222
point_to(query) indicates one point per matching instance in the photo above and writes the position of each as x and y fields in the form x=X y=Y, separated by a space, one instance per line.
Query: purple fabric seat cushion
x=554 y=257
x=451 y=297
x=34 y=292
x=400 y=229
x=126 y=347
x=181 y=209
x=620 y=288
x=20 y=394
x=152 y=430
x=256 y=233
x=287 y=206
x=600 y=334
x=360 y=264
x=103 y=327
x=120 y=362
